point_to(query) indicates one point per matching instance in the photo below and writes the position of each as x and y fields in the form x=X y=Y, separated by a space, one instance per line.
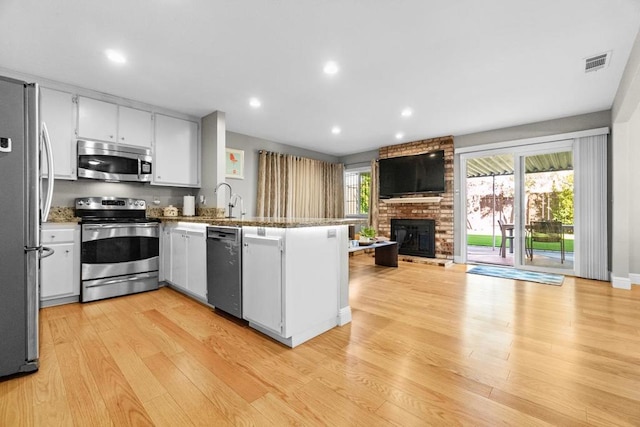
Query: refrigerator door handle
x=46 y=252
x=50 y=177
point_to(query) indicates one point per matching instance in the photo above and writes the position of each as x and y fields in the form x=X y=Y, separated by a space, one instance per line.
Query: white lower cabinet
x=187 y=268
x=165 y=253
x=262 y=278
x=60 y=272
x=197 y=262
x=291 y=280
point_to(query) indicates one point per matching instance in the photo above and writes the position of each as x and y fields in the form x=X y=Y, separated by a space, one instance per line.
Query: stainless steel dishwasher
x=224 y=269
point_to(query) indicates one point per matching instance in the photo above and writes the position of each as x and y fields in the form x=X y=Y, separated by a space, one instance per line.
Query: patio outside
x=549 y=200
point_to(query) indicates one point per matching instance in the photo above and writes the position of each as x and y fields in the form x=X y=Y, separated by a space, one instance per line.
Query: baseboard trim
x=344 y=316
x=620 y=282
x=634 y=278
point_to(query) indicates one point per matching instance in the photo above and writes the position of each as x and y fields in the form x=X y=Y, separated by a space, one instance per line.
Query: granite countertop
x=211 y=216
x=263 y=222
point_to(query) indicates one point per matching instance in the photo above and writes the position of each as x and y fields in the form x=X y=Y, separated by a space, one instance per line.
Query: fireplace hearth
x=415 y=236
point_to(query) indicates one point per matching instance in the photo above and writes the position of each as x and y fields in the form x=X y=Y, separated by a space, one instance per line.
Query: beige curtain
x=298 y=187
x=374 y=197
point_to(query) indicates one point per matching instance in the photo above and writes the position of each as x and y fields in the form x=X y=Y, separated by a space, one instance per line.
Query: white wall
x=359 y=159
x=625 y=262
x=550 y=127
x=532 y=130
x=247 y=188
x=65 y=192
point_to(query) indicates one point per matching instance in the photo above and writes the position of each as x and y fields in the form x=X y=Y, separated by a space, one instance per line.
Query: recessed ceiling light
x=255 y=103
x=336 y=130
x=399 y=135
x=115 y=56
x=407 y=112
x=330 y=68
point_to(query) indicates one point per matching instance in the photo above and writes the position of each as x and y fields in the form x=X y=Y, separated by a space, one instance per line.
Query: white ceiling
x=463 y=66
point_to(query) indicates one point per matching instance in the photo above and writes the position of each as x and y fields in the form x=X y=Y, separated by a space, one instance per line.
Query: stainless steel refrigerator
x=21 y=211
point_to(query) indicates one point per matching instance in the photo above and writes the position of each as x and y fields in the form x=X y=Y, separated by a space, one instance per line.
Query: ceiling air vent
x=597 y=62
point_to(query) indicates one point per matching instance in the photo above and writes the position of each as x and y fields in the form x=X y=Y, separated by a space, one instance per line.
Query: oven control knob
x=80 y=203
x=136 y=203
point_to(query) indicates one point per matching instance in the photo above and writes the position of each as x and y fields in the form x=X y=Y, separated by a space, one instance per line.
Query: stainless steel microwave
x=114 y=162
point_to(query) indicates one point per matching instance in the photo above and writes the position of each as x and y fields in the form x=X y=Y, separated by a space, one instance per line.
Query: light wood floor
x=427 y=346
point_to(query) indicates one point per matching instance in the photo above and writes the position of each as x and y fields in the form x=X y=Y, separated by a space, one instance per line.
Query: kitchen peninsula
x=295 y=271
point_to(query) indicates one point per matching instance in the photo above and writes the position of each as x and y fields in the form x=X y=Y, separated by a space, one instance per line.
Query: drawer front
x=54 y=236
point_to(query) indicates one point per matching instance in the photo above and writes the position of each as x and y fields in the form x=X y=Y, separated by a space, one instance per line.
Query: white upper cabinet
x=176 y=152
x=134 y=127
x=104 y=121
x=58 y=111
x=97 y=119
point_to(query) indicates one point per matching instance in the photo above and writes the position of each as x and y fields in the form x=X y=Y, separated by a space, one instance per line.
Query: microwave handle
x=139 y=168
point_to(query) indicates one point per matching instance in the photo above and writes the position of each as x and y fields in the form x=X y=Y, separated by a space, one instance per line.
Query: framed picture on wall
x=234 y=163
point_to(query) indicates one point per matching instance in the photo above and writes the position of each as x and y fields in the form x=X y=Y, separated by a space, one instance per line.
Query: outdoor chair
x=505 y=237
x=545 y=232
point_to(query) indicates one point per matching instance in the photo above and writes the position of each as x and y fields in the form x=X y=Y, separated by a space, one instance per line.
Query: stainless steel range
x=120 y=247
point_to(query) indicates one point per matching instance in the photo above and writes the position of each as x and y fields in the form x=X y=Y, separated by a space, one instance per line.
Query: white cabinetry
x=60 y=272
x=97 y=119
x=105 y=121
x=262 y=278
x=58 y=111
x=292 y=280
x=134 y=127
x=178 y=258
x=188 y=259
x=176 y=152
x=197 y=262
x=165 y=252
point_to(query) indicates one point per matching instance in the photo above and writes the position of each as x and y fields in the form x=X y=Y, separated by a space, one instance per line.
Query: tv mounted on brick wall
x=419 y=174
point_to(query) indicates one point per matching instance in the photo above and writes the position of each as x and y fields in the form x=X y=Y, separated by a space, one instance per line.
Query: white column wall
x=625 y=188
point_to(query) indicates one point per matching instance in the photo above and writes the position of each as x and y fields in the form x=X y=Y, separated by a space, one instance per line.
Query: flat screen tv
x=419 y=174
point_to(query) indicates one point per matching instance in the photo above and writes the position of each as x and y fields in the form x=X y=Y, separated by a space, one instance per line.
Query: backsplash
x=62 y=214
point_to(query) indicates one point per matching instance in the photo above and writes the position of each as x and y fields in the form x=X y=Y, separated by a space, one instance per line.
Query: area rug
x=512 y=273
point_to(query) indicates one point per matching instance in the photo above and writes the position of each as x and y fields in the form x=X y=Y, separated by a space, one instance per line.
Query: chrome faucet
x=236 y=197
x=231 y=205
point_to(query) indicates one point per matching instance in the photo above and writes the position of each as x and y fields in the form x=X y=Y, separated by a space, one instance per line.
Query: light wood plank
x=165 y=412
x=197 y=407
x=427 y=346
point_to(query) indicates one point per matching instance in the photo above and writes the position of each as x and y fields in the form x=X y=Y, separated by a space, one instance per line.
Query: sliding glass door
x=519 y=207
x=548 y=210
x=490 y=214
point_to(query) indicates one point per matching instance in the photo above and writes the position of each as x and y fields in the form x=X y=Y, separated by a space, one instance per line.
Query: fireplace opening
x=415 y=236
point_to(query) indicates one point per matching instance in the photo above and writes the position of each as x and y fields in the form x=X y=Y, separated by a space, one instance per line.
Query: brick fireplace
x=440 y=212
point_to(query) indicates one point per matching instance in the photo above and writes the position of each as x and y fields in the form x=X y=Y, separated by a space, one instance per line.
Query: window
x=357 y=184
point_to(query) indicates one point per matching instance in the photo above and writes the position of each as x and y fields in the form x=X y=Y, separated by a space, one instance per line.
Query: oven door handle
x=110 y=226
x=103 y=282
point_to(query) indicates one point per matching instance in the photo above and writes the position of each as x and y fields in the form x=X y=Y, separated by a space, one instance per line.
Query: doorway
x=490 y=189
x=519 y=207
x=548 y=210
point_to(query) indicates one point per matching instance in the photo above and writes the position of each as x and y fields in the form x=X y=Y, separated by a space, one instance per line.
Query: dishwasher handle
x=223 y=234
